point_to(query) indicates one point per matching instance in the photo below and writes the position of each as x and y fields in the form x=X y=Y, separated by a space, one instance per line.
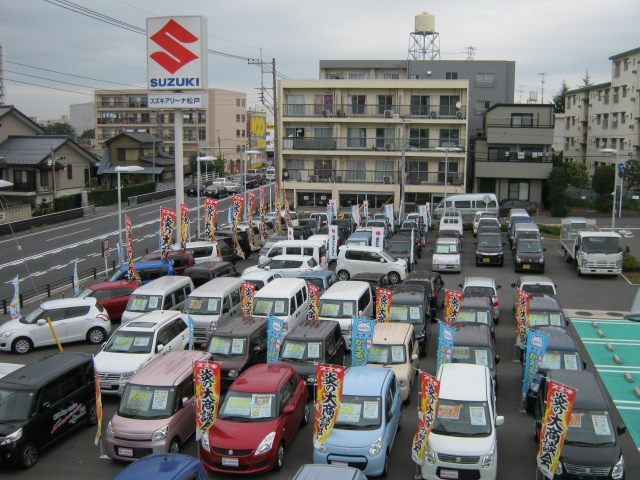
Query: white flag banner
x=76 y=280
x=14 y=306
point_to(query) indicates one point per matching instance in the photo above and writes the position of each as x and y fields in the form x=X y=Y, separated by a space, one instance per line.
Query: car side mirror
x=584 y=364
x=513 y=285
x=499 y=420
x=184 y=401
x=627 y=250
x=382 y=260
x=414 y=357
x=622 y=428
x=475 y=243
x=460 y=285
x=41 y=322
x=159 y=348
x=257 y=348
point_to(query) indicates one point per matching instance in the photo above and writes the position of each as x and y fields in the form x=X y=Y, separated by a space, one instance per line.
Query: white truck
x=591 y=251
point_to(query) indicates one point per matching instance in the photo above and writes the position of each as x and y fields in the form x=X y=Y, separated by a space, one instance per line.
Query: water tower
x=425 y=41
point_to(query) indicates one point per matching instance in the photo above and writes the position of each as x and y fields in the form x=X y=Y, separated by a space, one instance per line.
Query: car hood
x=230 y=363
x=593 y=456
x=12 y=325
x=7 y=428
x=304 y=369
x=136 y=428
x=111 y=362
x=470 y=446
x=352 y=438
x=490 y=250
x=240 y=435
x=446 y=257
x=530 y=256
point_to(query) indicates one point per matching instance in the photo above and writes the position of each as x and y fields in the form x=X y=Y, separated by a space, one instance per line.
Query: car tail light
x=433 y=292
x=496 y=301
x=103 y=317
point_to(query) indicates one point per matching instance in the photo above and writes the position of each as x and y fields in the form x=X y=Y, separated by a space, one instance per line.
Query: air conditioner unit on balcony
x=325 y=113
x=386 y=179
x=388 y=147
x=459 y=115
x=388 y=114
x=433 y=114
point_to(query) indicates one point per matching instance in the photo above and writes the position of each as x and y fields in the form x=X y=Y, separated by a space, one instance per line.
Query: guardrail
x=148 y=197
x=50 y=218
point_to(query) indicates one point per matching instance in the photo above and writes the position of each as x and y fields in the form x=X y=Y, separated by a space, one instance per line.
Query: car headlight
x=401 y=382
x=429 y=455
x=213 y=325
x=535 y=386
x=436 y=261
x=110 y=432
x=266 y=443
x=311 y=379
x=376 y=447
x=233 y=373
x=127 y=375
x=489 y=457
x=541 y=260
x=12 y=437
x=8 y=333
x=321 y=447
x=584 y=263
x=618 y=469
x=204 y=442
x=618 y=263
x=518 y=259
x=160 y=434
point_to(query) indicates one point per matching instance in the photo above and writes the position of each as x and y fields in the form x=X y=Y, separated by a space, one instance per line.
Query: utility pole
x=542 y=88
x=272 y=108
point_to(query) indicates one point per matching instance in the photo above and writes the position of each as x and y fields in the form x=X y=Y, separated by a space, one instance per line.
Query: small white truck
x=591 y=251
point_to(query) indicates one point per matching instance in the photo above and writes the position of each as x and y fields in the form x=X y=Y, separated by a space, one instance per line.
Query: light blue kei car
x=370 y=415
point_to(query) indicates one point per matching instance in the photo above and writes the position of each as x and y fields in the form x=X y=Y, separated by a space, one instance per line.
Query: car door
x=392 y=410
x=77 y=322
x=372 y=263
x=288 y=396
x=117 y=302
x=178 y=334
x=235 y=303
x=42 y=332
x=182 y=419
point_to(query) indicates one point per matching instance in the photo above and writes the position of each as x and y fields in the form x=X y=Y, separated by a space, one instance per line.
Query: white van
x=452 y=220
x=211 y=305
x=304 y=248
x=203 y=251
x=344 y=300
x=468 y=204
x=285 y=298
x=164 y=293
x=525 y=230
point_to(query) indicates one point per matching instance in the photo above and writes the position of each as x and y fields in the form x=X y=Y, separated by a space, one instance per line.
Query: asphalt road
x=77 y=457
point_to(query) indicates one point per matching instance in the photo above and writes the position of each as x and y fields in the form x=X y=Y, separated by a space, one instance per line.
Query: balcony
x=390 y=112
x=313 y=176
x=383 y=145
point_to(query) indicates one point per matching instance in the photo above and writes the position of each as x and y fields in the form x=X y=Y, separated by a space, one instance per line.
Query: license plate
x=229 y=462
x=485 y=260
x=125 y=452
x=344 y=464
x=448 y=473
x=525 y=267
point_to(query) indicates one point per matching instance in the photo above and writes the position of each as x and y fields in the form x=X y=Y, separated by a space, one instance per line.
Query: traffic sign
x=621 y=170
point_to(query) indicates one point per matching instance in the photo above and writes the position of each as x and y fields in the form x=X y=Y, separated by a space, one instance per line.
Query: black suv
x=203 y=272
x=434 y=287
x=489 y=249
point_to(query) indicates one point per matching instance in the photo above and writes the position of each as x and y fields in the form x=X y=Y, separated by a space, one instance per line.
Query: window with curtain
x=322 y=104
x=521 y=120
x=451 y=169
x=356 y=170
x=449 y=137
x=384 y=168
x=420 y=105
x=356 y=138
x=418 y=138
x=324 y=138
x=385 y=102
x=418 y=172
x=323 y=169
x=357 y=104
x=451 y=75
x=448 y=105
x=294 y=106
x=385 y=136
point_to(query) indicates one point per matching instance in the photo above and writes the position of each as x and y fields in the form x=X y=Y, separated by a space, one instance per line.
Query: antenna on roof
x=542 y=88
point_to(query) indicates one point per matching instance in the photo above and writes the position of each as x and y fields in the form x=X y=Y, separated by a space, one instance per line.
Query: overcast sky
x=55 y=57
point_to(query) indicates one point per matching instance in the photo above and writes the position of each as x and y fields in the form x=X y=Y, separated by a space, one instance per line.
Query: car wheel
x=400 y=419
x=385 y=468
x=28 y=455
x=174 y=446
x=393 y=278
x=96 y=335
x=21 y=345
x=343 y=275
x=307 y=414
x=279 y=458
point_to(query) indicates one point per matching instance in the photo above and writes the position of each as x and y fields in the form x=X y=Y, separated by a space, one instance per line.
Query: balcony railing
x=380 y=177
x=123 y=105
x=449 y=112
x=522 y=157
x=371 y=144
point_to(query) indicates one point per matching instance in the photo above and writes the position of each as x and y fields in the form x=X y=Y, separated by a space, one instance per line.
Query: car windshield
x=476 y=291
x=278 y=264
x=560 y=359
x=462 y=419
x=359 y=413
x=399 y=247
x=539 y=318
x=473 y=316
x=301 y=351
x=34 y=316
x=271 y=306
x=539 y=289
x=591 y=428
x=601 y=245
x=387 y=354
x=388 y=257
x=15 y=405
x=146 y=402
x=248 y=407
x=202 y=305
x=337 y=308
x=489 y=241
x=473 y=355
x=447 y=248
x=227 y=346
x=144 y=303
x=130 y=342
x=97 y=294
x=529 y=247
x=270 y=242
x=406 y=313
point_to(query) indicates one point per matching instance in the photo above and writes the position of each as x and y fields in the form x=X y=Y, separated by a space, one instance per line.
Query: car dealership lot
x=77 y=457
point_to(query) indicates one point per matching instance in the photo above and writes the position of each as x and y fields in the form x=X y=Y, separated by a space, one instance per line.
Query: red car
x=257 y=420
x=113 y=296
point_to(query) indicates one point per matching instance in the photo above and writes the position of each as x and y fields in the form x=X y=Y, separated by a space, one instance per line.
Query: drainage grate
x=584 y=314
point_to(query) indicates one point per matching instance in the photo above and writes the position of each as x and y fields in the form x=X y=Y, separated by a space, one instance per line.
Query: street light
x=52 y=163
x=119 y=170
x=446 y=151
x=198 y=181
x=244 y=161
x=615 y=187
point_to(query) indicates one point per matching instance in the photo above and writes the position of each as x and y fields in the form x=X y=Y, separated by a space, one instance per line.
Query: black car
x=417 y=239
x=410 y=304
x=489 y=249
x=473 y=343
x=243 y=240
x=376 y=281
x=191 y=190
x=216 y=190
x=509 y=203
x=203 y=272
x=401 y=248
x=434 y=287
x=528 y=255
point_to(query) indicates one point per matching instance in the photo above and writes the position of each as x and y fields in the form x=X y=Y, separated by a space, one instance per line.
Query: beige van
x=157 y=409
x=285 y=298
x=211 y=305
x=312 y=248
x=164 y=293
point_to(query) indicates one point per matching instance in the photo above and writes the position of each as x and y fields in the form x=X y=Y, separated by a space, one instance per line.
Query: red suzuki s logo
x=171 y=38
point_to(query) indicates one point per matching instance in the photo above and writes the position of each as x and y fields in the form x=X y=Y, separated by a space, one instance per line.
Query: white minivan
x=285 y=298
x=164 y=293
x=308 y=248
x=464 y=426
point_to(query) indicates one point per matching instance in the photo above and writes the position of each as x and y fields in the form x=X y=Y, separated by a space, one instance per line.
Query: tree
x=89 y=134
x=586 y=80
x=631 y=174
x=603 y=180
x=559 y=98
x=59 y=128
x=577 y=174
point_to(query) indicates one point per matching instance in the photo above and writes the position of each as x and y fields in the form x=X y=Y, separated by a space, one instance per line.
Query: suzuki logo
x=175 y=55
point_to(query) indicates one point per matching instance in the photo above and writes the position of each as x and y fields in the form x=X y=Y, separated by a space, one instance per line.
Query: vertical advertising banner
x=192 y=331
x=98 y=404
x=236 y=215
x=429 y=391
x=14 y=306
x=536 y=348
x=275 y=332
x=184 y=226
x=206 y=380
x=263 y=220
x=278 y=208
x=365 y=209
x=290 y=233
x=329 y=381
x=355 y=214
x=333 y=242
x=332 y=210
x=557 y=416
x=211 y=217
x=423 y=210
x=248 y=298
x=314 y=302
x=522 y=317
x=452 y=301
x=446 y=336
x=287 y=210
x=131 y=269
x=167 y=226
x=388 y=212
x=362 y=330
x=383 y=304
x=76 y=280
x=377 y=237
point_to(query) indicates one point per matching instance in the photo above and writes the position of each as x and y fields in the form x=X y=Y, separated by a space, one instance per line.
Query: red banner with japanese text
x=211 y=217
x=429 y=391
x=263 y=211
x=248 y=298
x=237 y=204
x=383 y=304
x=278 y=208
x=314 y=302
x=167 y=226
x=286 y=209
x=184 y=226
x=452 y=301
x=522 y=317
x=98 y=404
x=329 y=381
x=206 y=380
x=557 y=417
x=131 y=269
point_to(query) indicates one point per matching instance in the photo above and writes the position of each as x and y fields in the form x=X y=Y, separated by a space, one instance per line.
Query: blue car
x=370 y=416
x=322 y=279
x=164 y=466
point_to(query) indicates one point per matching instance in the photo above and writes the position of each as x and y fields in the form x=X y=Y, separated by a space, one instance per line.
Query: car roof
x=41 y=371
x=312 y=329
x=421 y=275
x=113 y=285
x=476 y=302
x=479 y=281
x=365 y=381
x=447 y=240
x=159 y=466
x=368 y=276
x=409 y=292
x=300 y=258
x=590 y=394
x=262 y=378
x=391 y=332
x=559 y=338
x=215 y=285
x=463 y=381
x=240 y=325
x=167 y=372
x=473 y=334
x=535 y=279
x=340 y=290
x=68 y=302
x=317 y=274
x=151 y=321
x=544 y=302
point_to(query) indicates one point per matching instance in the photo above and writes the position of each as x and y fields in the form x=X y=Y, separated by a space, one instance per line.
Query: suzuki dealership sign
x=177 y=53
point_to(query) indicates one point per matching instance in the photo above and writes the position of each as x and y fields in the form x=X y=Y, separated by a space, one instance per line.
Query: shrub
x=559 y=211
x=630 y=264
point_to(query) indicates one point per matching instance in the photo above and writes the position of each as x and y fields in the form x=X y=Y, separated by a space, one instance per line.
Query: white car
x=483 y=287
x=476 y=219
x=288 y=266
x=446 y=255
x=137 y=343
x=534 y=285
x=354 y=259
x=73 y=319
